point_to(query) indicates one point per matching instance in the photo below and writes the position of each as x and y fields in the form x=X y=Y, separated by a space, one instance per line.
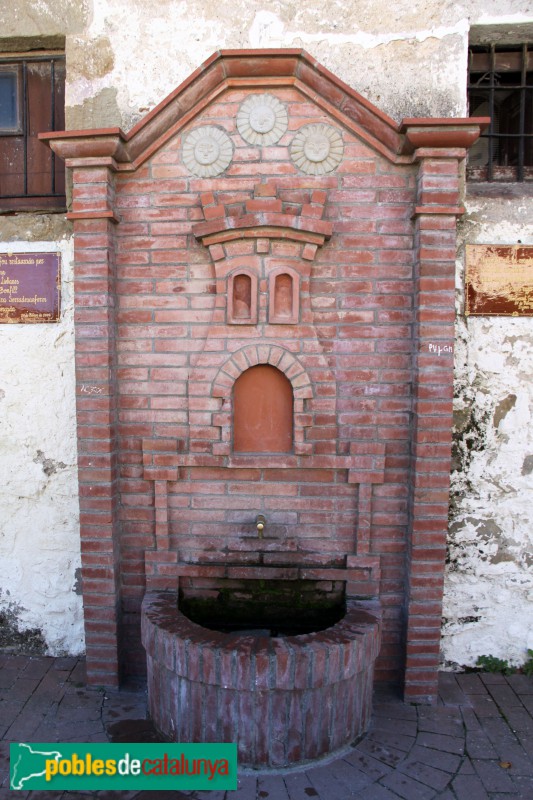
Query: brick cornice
x=264 y=224
x=94 y=147
x=446 y=133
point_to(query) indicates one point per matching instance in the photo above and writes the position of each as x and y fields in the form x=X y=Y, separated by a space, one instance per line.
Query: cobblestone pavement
x=476 y=744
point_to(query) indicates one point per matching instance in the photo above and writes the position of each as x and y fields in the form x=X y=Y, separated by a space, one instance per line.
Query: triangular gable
x=261 y=69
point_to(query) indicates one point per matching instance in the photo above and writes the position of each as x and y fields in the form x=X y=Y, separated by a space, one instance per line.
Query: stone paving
x=476 y=744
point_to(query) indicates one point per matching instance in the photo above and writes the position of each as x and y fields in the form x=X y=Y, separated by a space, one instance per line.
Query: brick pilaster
x=94 y=230
x=435 y=241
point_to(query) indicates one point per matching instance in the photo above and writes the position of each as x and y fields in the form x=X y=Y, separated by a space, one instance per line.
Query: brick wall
x=352 y=348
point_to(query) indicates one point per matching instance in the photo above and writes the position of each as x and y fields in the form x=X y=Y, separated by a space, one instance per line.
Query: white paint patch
x=370 y=40
x=266 y=30
x=502 y=629
x=503 y=18
x=39 y=516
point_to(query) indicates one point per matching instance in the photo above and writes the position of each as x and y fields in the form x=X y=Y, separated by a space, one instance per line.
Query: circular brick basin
x=283 y=700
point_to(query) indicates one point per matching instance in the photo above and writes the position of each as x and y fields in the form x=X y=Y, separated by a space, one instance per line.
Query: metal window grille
x=31 y=177
x=500 y=86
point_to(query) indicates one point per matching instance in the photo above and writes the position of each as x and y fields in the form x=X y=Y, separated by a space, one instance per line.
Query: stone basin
x=284 y=699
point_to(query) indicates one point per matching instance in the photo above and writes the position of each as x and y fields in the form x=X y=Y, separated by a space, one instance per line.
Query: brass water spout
x=260 y=523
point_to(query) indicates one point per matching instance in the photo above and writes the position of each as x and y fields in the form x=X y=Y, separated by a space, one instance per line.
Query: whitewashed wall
x=488 y=603
x=410 y=59
x=39 y=527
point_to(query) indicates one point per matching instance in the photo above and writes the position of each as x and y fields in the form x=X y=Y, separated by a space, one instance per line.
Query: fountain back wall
x=263 y=267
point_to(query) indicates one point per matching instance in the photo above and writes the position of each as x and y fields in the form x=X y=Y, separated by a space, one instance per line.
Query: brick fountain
x=264 y=328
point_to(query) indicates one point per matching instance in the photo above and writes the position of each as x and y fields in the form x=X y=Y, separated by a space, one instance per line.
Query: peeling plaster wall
x=39 y=523
x=40 y=603
x=488 y=602
x=357 y=41
x=362 y=42
x=410 y=60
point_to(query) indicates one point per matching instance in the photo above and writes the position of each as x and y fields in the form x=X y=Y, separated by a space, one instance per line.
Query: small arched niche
x=284 y=291
x=262 y=411
x=242 y=298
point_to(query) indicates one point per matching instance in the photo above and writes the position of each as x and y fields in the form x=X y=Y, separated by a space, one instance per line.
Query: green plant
x=527 y=668
x=493 y=664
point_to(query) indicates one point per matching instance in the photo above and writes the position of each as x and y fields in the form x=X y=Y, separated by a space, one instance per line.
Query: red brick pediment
x=253 y=70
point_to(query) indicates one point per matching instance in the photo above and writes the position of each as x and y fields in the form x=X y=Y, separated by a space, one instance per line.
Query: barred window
x=500 y=86
x=32 y=100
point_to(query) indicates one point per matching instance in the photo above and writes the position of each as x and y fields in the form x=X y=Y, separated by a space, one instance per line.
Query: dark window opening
x=32 y=100
x=10 y=103
x=500 y=86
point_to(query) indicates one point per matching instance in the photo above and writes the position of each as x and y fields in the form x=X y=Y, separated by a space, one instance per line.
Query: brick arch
x=251 y=356
x=275 y=356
